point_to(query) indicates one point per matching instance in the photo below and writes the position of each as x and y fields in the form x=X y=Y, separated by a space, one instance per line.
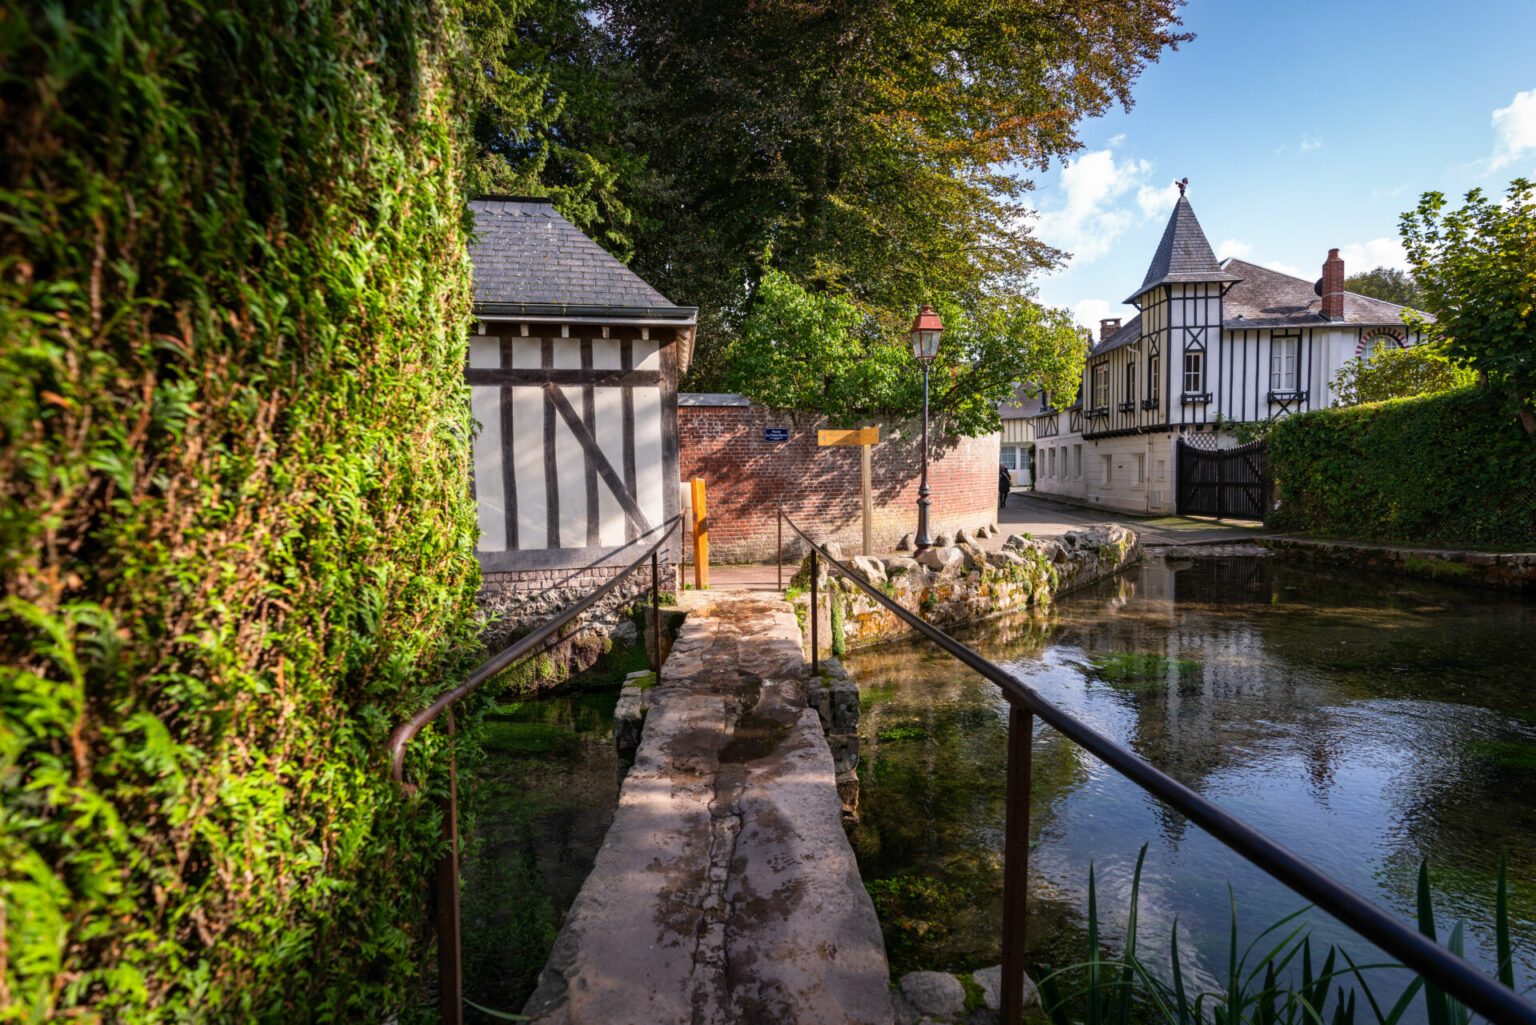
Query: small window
x=1053 y=462
x=1077 y=461
x=1194 y=372
x=1010 y=457
x=1282 y=364
x=1108 y=469
x=1130 y=381
x=1152 y=378
x=1141 y=468
x=1100 y=385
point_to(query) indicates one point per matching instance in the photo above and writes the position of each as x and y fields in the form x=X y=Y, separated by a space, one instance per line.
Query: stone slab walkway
x=725 y=890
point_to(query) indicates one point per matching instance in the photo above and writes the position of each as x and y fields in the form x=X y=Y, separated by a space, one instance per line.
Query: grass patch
x=1439 y=569
x=527 y=739
x=975 y=996
x=1136 y=667
x=909 y=731
x=1516 y=755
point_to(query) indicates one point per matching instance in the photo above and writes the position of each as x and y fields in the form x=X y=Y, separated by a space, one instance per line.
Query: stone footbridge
x=725 y=890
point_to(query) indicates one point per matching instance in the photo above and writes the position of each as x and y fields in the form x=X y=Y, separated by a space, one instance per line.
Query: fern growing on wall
x=236 y=540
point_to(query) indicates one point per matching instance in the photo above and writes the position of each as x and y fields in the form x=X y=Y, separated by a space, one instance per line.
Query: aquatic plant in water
x=1272 y=980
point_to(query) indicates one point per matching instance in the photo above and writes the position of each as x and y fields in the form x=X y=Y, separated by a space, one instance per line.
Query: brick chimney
x=1109 y=325
x=1333 y=286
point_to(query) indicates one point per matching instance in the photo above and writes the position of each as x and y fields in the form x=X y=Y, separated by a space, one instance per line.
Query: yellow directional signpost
x=862 y=437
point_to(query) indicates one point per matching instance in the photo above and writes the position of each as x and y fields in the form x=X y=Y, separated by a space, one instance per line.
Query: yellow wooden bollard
x=700 y=535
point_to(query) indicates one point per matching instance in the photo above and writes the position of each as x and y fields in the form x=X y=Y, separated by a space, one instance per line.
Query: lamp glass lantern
x=927 y=329
x=926 y=332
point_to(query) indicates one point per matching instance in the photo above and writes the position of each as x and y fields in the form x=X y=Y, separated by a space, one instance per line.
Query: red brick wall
x=746 y=479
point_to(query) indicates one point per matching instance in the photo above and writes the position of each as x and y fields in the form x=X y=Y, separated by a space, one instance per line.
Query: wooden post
x=700 y=535
x=869 y=500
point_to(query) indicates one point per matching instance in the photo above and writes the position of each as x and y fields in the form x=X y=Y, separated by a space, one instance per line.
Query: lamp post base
x=922 y=540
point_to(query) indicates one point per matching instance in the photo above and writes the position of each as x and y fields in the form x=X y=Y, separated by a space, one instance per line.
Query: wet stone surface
x=725 y=890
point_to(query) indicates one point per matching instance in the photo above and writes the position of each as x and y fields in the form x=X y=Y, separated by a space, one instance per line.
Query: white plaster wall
x=1140 y=477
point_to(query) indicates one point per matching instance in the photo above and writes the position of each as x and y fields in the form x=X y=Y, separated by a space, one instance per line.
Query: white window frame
x=1100 y=385
x=1197 y=374
x=1284 y=353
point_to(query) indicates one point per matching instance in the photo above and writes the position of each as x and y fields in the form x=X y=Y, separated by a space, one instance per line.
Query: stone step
x=725 y=890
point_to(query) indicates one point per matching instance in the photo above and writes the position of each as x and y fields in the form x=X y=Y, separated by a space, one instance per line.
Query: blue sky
x=1302 y=126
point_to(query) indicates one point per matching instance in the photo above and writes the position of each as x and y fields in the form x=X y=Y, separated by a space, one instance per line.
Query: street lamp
x=926 y=330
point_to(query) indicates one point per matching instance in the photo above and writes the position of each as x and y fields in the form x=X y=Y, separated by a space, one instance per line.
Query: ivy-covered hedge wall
x=1436 y=469
x=235 y=532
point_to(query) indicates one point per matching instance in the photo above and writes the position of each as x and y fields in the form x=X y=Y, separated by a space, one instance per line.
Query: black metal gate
x=1228 y=483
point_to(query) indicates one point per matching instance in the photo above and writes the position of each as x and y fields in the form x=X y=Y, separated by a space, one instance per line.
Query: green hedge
x=235 y=535
x=1436 y=469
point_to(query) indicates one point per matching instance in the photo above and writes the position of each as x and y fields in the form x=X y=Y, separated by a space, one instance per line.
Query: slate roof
x=1024 y=403
x=1184 y=254
x=1268 y=298
x=528 y=260
x=1128 y=333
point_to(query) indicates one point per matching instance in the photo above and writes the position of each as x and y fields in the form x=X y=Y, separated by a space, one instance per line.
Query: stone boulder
x=941 y=541
x=937 y=994
x=964 y=537
x=907 y=542
x=991 y=982
x=870 y=569
x=940 y=560
x=899 y=566
x=975 y=557
x=1004 y=559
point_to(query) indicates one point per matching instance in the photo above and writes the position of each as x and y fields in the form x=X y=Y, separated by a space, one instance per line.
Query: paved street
x=1027 y=513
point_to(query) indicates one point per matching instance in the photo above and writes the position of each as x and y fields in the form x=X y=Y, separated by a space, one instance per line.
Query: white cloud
x=1155 y=201
x=1233 y=247
x=1089 y=312
x=1516 y=128
x=1291 y=269
x=1310 y=143
x=1378 y=252
x=1090 y=220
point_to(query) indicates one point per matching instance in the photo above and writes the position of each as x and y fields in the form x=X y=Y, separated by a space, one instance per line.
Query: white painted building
x=572 y=375
x=1214 y=345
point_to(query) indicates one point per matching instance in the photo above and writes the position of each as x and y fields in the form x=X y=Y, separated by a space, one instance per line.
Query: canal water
x=1365 y=721
x=539 y=803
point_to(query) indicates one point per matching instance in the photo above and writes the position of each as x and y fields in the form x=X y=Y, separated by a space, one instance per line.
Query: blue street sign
x=775 y=433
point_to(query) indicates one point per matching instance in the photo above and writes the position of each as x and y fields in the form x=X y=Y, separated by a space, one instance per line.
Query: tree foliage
x=1476 y=269
x=540 y=108
x=804 y=349
x=874 y=152
x=1387 y=284
x=1451 y=469
x=1398 y=373
x=236 y=540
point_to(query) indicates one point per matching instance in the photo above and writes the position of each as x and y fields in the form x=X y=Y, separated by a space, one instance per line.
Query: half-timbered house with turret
x=1214 y=344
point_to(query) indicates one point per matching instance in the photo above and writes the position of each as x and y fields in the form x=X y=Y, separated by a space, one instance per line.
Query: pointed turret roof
x=1184 y=254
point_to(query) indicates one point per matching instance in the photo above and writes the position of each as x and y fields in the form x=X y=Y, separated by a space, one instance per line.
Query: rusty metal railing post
x=1021 y=735
x=450 y=951
x=815 y=614
x=656 y=616
x=779 y=558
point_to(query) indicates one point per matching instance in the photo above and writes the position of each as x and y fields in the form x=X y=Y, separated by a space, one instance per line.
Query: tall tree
x=1387 y=284
x=873 y=151
x=540 y=113
x=1476 y=268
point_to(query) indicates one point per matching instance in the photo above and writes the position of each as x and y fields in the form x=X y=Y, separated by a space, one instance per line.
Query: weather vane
x=1182 y=184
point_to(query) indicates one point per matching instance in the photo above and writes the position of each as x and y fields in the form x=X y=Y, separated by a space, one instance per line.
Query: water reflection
x=1364 y=721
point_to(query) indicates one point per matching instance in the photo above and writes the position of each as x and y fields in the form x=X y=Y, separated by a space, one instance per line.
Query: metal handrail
x=450 y=954
x=1455 y=975
x=524 y=646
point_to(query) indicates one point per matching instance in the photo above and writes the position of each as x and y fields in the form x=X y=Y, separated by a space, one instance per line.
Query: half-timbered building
x=572 y=373
x=1214 y=344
